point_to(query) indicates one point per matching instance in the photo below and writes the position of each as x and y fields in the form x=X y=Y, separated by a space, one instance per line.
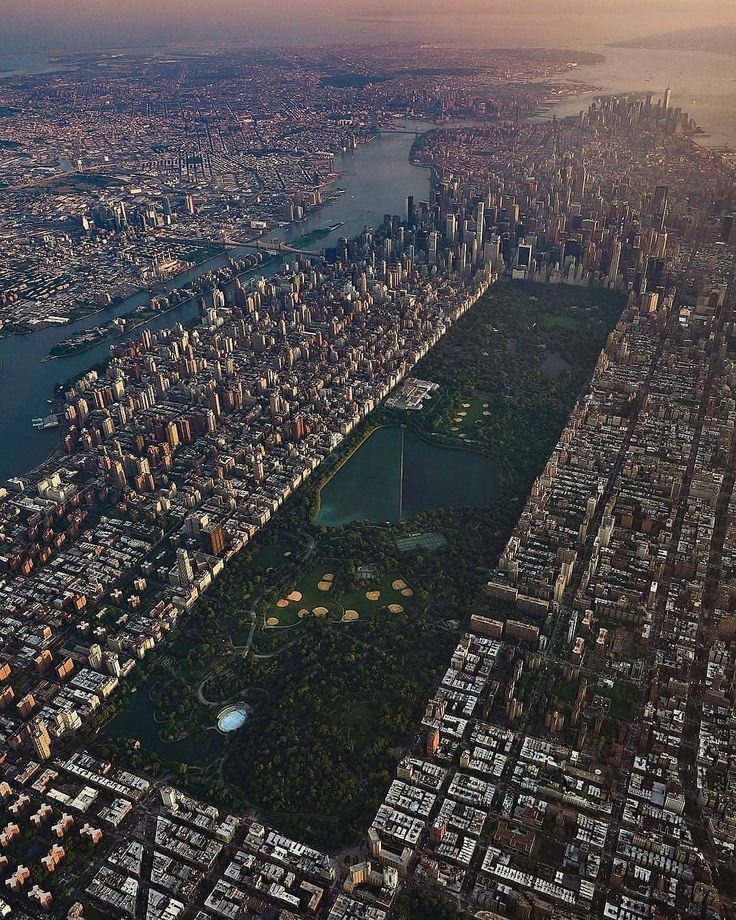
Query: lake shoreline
x=448 y=476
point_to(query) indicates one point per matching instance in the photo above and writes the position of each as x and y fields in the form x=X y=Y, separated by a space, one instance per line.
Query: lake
x=395 y=474
x=137 y=721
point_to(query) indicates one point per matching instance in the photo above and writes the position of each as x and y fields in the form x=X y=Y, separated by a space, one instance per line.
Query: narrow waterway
x=376 y=178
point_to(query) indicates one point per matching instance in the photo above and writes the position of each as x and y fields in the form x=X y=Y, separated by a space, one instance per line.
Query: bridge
x=270 y=246
x=412 y=131
x=263 y=245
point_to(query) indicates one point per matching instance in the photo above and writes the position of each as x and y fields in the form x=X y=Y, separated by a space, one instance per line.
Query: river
x=376 y=177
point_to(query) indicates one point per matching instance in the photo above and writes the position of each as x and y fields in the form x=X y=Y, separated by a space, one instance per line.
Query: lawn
x=564 y=320
x=311 y=596
x=330 y=596
x=471 y=414
x=380 y=595
x=273 y=553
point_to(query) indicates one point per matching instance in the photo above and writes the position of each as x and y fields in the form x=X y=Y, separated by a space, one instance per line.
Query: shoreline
x=546 y=114
x=149 y=319
x=44 y=325
x=329 y=185
x=354 y=448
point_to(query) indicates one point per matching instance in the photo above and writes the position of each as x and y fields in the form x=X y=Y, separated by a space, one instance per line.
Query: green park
x=331 y=627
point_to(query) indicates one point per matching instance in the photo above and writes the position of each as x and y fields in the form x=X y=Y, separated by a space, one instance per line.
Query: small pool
x=232 y=717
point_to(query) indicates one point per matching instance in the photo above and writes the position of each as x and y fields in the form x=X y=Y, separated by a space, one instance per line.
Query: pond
x=396 y=474
x=137 y=721
x=554 y=365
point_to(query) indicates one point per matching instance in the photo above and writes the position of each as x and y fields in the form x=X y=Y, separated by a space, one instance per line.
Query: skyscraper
x=41 y=740
x=213 y=538
x=524 y=257
x=659 y=201
x=184 y=567
x=451 y=228
x=615 y=259
x=480 y=219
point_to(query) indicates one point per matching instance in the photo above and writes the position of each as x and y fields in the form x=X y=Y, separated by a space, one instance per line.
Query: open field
x=323 y=593
x=471 y=413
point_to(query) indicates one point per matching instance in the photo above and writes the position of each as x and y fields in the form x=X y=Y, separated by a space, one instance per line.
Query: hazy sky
x=89 y=24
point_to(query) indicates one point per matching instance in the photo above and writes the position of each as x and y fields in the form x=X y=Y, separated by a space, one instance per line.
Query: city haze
x=90 y=24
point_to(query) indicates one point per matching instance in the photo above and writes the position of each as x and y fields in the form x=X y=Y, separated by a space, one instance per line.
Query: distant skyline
x=83 y=25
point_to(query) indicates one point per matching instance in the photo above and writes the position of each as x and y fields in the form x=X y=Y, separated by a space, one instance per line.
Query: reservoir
x=376 y=179
x=395 y=474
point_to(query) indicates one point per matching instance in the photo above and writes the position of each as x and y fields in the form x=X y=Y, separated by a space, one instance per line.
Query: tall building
x=659 y=202
x=184 y=567
x=480 y=221
x=582 y=182
x=667 y=100
x=451 y=228
x=615 y=259
x=41 y=740
x=524 y=257
x=213 y=539
x=297 y=429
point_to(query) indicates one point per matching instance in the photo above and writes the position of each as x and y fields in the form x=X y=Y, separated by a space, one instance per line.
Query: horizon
x=97 y=25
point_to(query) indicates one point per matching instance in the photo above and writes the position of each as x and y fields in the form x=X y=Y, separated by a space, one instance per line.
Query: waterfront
x=702 y=84
x=377 y=178
x=395 y=474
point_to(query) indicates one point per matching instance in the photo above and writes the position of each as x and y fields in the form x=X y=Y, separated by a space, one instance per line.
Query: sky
x=83 y=25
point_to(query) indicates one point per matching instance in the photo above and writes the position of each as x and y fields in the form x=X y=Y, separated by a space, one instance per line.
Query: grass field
x=388 y=596
x=574 y=319
x=306 y=596
x=317 y=595
x=471 y=415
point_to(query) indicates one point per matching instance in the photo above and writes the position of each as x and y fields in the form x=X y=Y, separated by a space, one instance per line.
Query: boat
x=336 y=226
x=49 y=421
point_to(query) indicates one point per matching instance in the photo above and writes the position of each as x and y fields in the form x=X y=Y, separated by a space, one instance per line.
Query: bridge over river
x=274 y=245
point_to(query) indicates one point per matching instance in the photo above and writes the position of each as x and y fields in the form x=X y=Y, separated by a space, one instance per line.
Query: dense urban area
x=507 y=693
